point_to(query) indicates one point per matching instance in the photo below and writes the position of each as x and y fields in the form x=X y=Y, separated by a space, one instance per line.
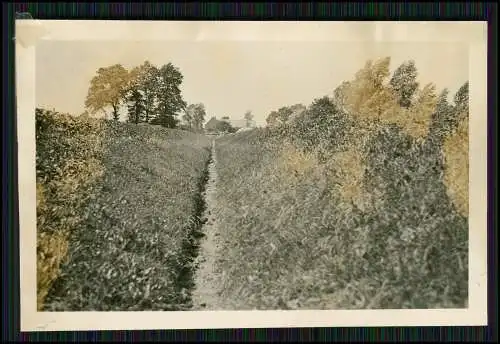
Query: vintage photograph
x=226 y=175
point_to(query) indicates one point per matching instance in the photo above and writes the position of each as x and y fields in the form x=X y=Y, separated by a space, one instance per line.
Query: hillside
x=344 y=208
x=284 y=217
x=136 y=192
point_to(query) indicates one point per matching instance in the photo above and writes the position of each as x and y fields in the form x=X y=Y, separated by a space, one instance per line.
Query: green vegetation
x=118 y=204
x=360 y=201
x=68 y=166
x=133 y=248
x=150 y=94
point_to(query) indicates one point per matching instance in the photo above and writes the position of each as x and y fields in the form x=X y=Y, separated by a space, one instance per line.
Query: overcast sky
x=231 y=77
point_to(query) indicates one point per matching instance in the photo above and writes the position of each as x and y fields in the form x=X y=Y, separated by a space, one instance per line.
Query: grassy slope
x=132 y=250
x=293 y=241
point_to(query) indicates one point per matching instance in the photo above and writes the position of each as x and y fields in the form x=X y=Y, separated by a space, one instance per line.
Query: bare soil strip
x=205 y=293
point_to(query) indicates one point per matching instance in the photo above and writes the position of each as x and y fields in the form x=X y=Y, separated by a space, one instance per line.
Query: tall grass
x=332 y=211
x=132 y=248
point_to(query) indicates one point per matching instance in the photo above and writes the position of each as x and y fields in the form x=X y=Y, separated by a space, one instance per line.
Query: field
x=357 y=201
x=135 y=203
x=354 y=204
x=302 y=243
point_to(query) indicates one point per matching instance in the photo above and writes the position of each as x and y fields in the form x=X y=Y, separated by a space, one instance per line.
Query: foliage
x=194 y=116
x=108 y=88
x=169 y=97
x=154 y=93
x=322 y=127
x=136 y=107
x=248 y=117
x=340 y=95
x=284 y=114
x=134 y=250
x=404 y=82
x=353 y=204
x=68 y=166
x=456 y=155
x=146 y=78
x=356 y=201
x=446 y=117
x=224 y=127
x=461 y=99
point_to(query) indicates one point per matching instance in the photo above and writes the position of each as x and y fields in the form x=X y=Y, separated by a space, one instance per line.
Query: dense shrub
x=68 y=165
x=322 y=127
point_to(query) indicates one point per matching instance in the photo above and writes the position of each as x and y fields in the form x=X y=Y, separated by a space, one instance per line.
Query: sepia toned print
x=241 y=176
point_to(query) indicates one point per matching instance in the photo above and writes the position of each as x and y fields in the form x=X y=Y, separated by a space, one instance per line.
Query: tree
x=367 y=96
x=421 y=112
x=199 y=117
x=404 y=82
x=108 y=89
x=248 y=117
x=442 y=117
x=194 y=116
x=340 y=95
x=147 y=81
x=284 y=114
x=136 y=108
x=189 y=115
x=223 y=126
x=169 y=97
x=272 y=118
x=297 y=108
x=375 y=100
x=322 y=125
x=461 y=99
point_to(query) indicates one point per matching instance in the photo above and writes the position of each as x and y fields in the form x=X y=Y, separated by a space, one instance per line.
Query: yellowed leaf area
x=456 y=176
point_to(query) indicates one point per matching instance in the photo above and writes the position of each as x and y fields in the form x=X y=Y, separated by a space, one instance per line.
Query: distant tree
x=136 y=107
x=284 y=114
x=404 y=83
x=248 y=117
x=223 y=126
x=194 y=116
x=169 y=97
x=199 y=117
x=226 y=118
x=108 y=89
x=188 y=116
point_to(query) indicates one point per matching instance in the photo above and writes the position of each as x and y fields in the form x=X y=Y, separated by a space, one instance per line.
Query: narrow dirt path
x=204 y=295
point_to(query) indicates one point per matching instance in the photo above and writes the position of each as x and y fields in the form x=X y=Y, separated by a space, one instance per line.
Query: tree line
x=400 y=100
x=148 y=94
